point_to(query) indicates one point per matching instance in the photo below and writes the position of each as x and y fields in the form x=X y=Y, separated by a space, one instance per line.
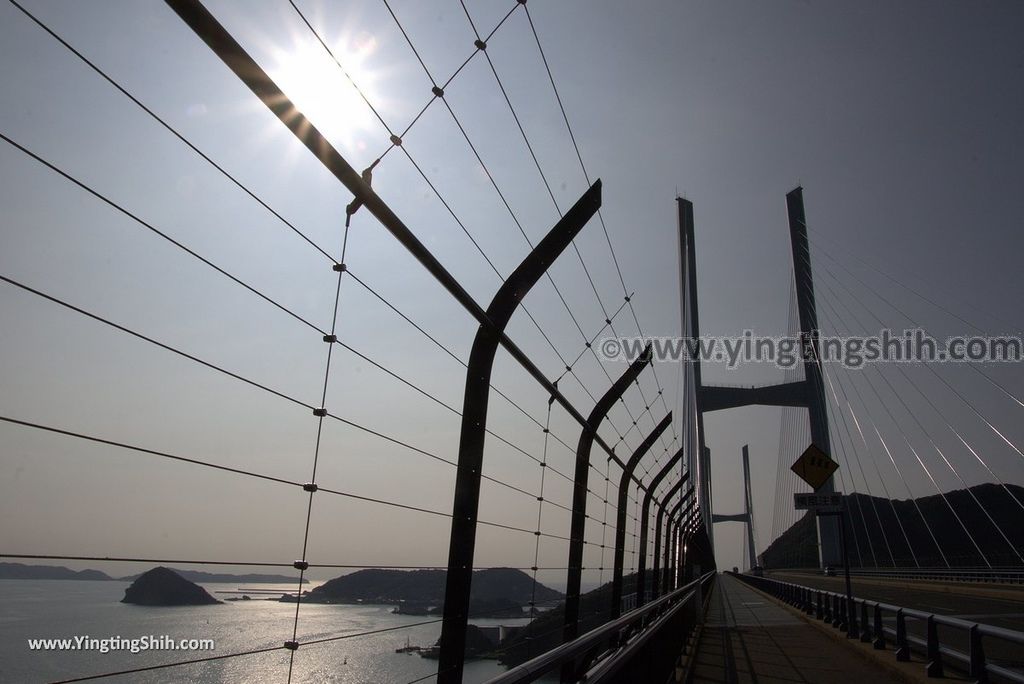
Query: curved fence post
x=659 y=523
x=675 y=519
x=462 y=541
x=621 y=510
x=570 y=629
x=645 y=512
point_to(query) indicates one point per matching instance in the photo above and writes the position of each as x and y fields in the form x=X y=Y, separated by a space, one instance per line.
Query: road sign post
x=815 y=467
x=851 y=619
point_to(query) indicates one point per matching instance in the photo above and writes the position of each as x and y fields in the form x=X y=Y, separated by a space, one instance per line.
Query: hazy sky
x=903 y=123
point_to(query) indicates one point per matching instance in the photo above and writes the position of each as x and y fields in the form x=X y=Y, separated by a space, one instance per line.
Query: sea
x=54 y=609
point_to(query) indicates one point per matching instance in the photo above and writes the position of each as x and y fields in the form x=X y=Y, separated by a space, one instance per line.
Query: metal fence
x=641 y=646
x=655 y=475
x=866 y=620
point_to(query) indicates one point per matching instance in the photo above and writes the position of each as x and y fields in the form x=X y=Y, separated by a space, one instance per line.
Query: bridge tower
x=747 y=516
x=808 y=393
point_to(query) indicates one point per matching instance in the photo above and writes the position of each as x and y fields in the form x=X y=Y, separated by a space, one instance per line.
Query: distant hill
x=225 y=578
x=885 y=531
x=48 y=572
x=545 y=631
x=164 y=587
x=496 y=586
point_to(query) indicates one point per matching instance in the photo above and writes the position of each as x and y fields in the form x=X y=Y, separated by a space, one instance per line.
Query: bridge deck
x=749 y=638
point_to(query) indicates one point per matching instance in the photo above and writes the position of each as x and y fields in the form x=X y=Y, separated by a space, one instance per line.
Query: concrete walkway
x=750 y=638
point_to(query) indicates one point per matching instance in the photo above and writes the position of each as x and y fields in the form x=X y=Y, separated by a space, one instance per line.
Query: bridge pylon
x=808 y=393
x=747 y=516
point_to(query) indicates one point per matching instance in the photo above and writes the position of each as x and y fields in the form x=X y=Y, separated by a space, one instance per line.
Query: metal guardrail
x=601 y=654
x=996 y=575
x=1008 y=575
x=832 y=607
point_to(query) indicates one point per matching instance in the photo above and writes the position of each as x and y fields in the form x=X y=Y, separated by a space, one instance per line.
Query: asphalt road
x=950 y=600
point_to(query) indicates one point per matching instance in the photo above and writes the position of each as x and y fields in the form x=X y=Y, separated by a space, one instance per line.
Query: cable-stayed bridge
x=362 y=396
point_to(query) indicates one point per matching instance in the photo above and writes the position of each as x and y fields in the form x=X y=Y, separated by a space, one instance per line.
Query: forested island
x=164 y=587
x=496 y=592
x=58 y=572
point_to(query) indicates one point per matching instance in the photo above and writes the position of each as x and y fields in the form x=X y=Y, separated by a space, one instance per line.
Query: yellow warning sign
x=814 y=467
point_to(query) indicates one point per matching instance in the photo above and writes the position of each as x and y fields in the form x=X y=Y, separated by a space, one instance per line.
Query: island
x=496 y=592
x=163 y=587
x=21 y=571
x=226 y=578
x=48 y=572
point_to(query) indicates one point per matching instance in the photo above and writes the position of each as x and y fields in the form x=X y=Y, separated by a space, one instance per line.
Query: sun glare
x=320 y=90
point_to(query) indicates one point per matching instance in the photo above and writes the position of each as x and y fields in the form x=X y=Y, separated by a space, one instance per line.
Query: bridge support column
x=699 y=459
x=748 y=507
x=830 y=552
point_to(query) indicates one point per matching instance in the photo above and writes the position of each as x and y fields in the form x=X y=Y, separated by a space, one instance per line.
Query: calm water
x=54 y=609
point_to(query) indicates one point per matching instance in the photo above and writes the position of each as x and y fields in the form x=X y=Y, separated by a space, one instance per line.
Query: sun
x=320 y=89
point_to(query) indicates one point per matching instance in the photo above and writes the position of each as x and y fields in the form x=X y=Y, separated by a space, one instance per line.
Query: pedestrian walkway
x=748 y=637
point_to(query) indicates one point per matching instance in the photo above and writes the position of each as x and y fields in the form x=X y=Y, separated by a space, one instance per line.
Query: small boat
x=408 y=648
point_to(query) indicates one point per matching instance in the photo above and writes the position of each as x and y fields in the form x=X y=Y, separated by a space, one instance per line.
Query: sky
x=901 y=122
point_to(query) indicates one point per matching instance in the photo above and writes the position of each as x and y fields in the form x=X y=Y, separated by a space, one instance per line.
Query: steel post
x=659 y=523
x=570 y=629
x=462 y=541
x=621 y=510
x=645 y=523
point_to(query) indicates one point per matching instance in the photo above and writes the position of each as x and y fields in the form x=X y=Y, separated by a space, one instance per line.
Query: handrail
x=1001 y=575
x=533 y=669
x=831 y=606
x=958 y=623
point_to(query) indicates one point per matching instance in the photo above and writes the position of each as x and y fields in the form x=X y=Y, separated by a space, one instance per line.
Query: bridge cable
x=842 y=476
x=837 y=409
x=899 y=471
x=938 y=450
x=929 y=300
x=969 y=363
x=944 y=459
x=957 y=393
x=881 y=480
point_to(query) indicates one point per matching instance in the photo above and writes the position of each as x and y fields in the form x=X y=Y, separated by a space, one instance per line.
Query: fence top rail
x=546 y=662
